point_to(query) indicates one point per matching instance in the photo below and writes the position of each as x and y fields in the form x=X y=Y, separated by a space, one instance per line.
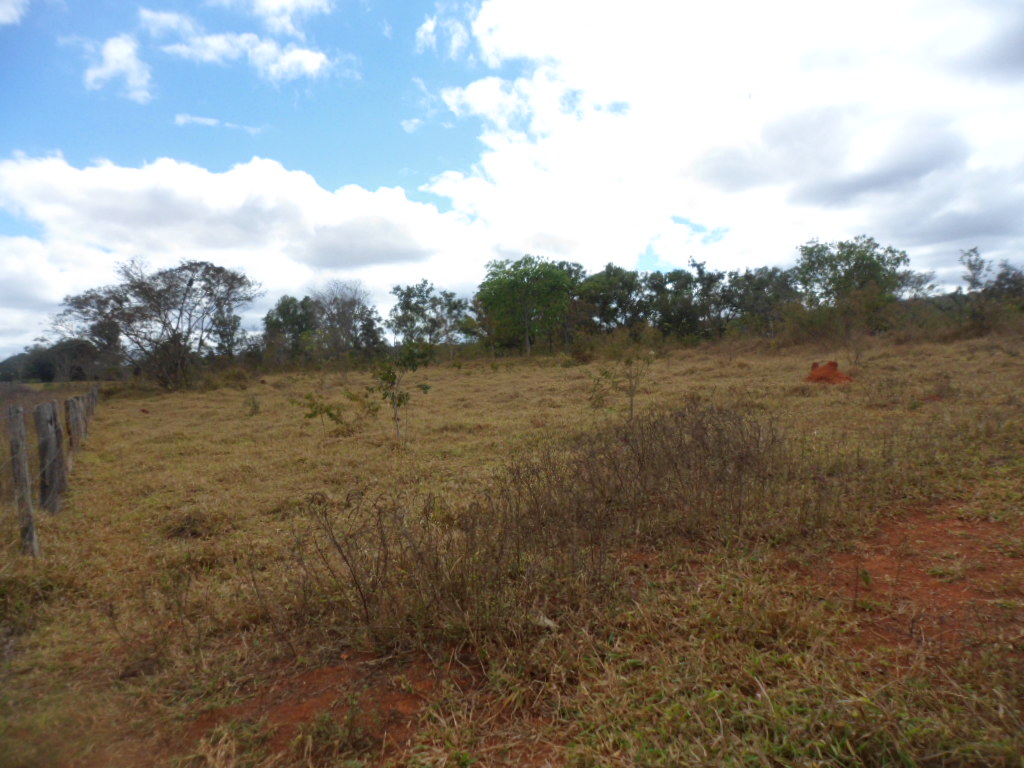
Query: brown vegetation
x=751 y=569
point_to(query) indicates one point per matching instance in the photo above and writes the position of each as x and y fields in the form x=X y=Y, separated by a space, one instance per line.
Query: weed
x=952 y=568
x=194 y=524
x=235 y=744
x=20 y=600
x=317 y=407
x=252 y=406
x=326 y=739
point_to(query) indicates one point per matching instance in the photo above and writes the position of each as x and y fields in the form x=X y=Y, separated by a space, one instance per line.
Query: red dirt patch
x=378 y=699
x=936 y=582
x=828 y=373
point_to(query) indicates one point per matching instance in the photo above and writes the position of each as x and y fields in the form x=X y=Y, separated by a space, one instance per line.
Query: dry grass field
x=754 y=570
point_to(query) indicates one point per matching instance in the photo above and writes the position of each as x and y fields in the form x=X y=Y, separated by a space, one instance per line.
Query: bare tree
x=342 y=306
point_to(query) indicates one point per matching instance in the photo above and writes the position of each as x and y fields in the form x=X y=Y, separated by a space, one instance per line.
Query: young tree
x=390 y=375
x=163 y=321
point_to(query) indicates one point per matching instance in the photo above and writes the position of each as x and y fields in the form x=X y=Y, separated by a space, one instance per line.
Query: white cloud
x=289 y=63
x=270 y=60
x=159 y=23
x=412 y=125
x=426 y=35
x=429 y=32
x=12 y=11
x=458 y=37
x=279 y=15
x=267 y=57
x=278 y=226
x=183 y=119
x=119 y=60
x=771 y=122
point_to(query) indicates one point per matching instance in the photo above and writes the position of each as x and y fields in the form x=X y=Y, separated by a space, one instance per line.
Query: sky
x=389 y=141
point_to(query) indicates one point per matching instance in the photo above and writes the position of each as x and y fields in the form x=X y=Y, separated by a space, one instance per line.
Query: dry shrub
x=540 y=544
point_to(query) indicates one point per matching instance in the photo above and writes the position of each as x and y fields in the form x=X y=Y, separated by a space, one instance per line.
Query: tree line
x=174 y=325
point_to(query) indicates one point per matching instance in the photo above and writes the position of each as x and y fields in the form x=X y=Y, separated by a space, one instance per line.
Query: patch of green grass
x=953 y=567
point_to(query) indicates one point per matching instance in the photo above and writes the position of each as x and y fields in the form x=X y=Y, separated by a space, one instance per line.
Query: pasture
x=753 y=570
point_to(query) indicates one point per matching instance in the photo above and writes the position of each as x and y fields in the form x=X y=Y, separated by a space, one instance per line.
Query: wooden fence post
x=91 y=400
x=53 y=477
x=22 y=481
x=74 y=417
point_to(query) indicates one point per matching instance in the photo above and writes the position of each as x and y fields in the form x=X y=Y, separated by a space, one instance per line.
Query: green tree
x=755 y=299
x=976 y=270
x=851 y=286
x=988 y=296
x=710 y=298
x=525 y=300
x=292 y=324
x=828 y=273
x=1008 y=284
x=615 y=298
x=369 y=339
x=227 y=334
x=422 y=314
x=674 y=308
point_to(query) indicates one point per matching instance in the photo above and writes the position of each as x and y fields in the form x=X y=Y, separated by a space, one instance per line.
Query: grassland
x=752 y=571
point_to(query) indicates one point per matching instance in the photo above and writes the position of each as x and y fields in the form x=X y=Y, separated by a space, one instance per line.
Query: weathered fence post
x=53 y=477
x=74 y=416
x=22 y=481
x=91 y=400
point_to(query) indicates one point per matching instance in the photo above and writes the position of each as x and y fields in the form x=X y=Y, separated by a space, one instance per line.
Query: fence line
x=58 y=444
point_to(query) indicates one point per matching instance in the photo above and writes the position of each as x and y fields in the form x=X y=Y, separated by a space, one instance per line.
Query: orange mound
x=828 y=373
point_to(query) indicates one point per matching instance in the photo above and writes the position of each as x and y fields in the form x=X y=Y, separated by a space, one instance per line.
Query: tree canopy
x=527 y=299
x=827 y=273
x=164 y=323
x=161 y=321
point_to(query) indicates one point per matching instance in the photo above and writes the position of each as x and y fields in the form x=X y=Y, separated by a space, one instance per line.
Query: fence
x=60 y=433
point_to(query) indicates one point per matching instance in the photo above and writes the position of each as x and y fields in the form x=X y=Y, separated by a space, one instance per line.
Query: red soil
x=828 y=373
x=936 y=583
x=930 y=583
x=379 y=699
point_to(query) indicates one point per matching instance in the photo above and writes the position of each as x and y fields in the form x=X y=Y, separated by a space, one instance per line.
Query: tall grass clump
x=544 y=539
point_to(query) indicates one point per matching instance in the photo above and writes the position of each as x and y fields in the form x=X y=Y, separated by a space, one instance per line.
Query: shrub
x=543 y=540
